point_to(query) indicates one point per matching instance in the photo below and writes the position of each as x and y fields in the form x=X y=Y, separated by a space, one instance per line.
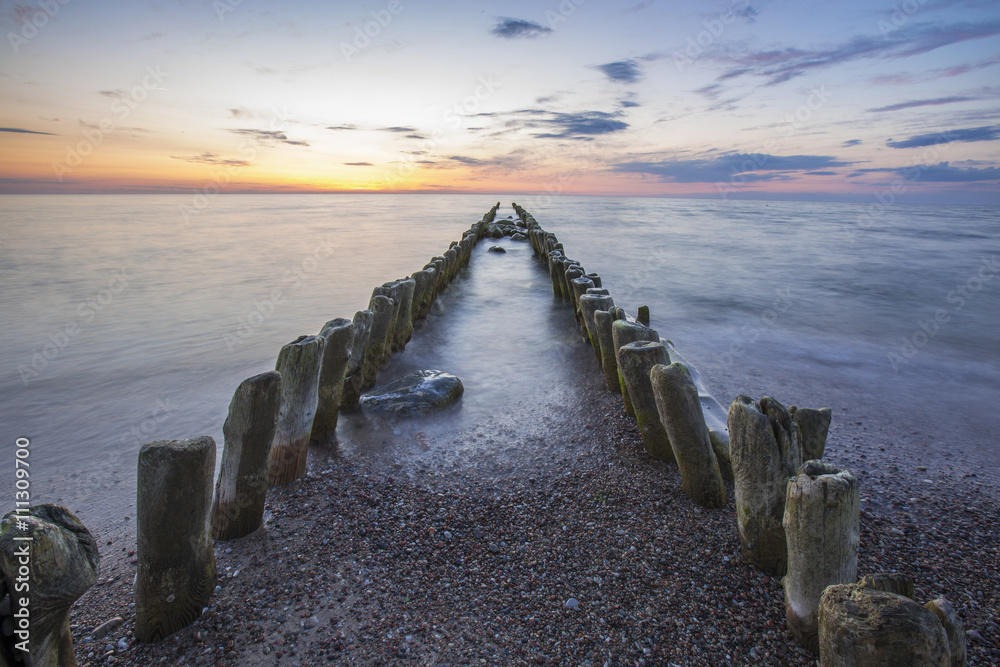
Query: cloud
x=342 y=127
x=629 y=104
x=268 y=136
x=943 y=173
x=239 y=112
x=988 y=133
x=508 y=28
x=19 y=130
x=922 y=103
x=938 y=73
x=851 y=142
x=638 y=7
x=582 y=125
x=778 y=66
x=724 y=167
x=359 y=164
x=113 y=94
x=212 y=158
x=748 y=14
x=627 y=71
x=471 y=161
x=397 y=129
x=821 y=173
x=415 y=136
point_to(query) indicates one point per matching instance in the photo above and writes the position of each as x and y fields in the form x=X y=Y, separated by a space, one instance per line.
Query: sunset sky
x=852 y=101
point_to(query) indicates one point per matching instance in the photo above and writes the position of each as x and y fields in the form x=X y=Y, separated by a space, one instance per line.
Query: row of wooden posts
x=272 y=420
x=797 y=515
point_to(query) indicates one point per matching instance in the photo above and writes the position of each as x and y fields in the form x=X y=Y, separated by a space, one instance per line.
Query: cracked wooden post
x=635 y=361
x=299 y=364
x=623 y=333
x=338 y=337
x=603 y=320
x=50 y=559
x=766 y=450
x=589 y=303
x=176 y=565
x=423 y=292
x=354 y=377
x=249 y=432
x=953 y=628
x=376 y=351
x=822 y=531
x=814 y=425
x=679 y=408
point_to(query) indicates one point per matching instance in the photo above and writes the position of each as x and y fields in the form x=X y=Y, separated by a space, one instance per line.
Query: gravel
x=472 y=552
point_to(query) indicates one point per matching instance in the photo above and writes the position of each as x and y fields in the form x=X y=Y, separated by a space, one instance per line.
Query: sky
x=860 y=100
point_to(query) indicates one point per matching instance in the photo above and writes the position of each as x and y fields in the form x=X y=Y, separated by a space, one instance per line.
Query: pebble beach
x=567 y=544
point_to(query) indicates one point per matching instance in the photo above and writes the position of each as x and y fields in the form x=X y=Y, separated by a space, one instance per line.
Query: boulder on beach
x=497 y=248
x=416 y=393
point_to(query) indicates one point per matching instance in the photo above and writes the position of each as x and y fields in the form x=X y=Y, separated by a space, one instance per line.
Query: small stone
x=122 y=644
x=447 y=535
x=106 y=627
x=311 y=622
x=572 y=603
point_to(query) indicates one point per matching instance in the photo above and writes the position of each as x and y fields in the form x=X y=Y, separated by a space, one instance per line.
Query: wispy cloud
x=778 y=66
x=905 y=78
x=18 y=130
x=509 y=28
x=398 y=128
x=359 y=164
x=942 y=172
x=723 y=167
x=851 y=142
x=627 y=71
x=269 y=137
x=464 y=159
x=922 y=103
x=342 y=127
x=581 y=125
x=988 y=133
x=212 y=158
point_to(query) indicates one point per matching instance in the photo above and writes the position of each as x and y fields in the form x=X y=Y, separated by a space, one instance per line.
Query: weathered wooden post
x=680 y=413
x=861 y=626
x=401 y=293
x=814 y=425
x=603 y=320
x=589 y=303
x=635 y=361
x=354 y=377
x=49 y=559
x=623 y=333
x=423 y=292
x=299 y=365
x=822 y=530
x=379 y=334
x=249 y=429
x=953 y=628
x=176 y=564
x=766 y=450
x=338 y=338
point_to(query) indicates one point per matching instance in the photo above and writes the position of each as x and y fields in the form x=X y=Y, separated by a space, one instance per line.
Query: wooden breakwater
x=796 y=515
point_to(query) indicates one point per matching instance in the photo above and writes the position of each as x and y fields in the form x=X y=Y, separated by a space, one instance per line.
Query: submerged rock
x=497 y=248
x=416 y=393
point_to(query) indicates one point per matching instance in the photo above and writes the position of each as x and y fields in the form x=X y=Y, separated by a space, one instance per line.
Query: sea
x=133 y=318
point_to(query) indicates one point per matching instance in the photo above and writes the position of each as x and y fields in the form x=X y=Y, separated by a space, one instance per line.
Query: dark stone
x=497 y=248
x=416 y=393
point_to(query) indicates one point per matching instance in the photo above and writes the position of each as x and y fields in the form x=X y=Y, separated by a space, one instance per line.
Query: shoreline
x=509 y=558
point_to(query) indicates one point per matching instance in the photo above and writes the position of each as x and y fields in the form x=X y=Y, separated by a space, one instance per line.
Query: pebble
x=572 y=603
x=106 y=627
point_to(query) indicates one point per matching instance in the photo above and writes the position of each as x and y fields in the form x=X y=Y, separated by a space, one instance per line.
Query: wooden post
x=299 y=365
x=354 y=377
x=176 y=564
x=635 y=361
x=814 y=426
x=338 y=337
x=50 y=559
x=377 y=351
x=623 y=333
x=603 y=320
x=249 y=430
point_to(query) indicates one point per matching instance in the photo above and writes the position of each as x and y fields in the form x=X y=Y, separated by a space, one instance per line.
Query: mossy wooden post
x=861 y=626
x=680 y=413
x=635 y=360
x=953 y=628
x=761 y=440
x=401 y=293
x=814 y=425
x=376 y=352
x=354 y=377
x=50 y=559
x=176 y=565
x=554 y=266
x=249 y=430
x=423 y=292
x=299 y=365
x=623 y=333
x=590 y=303
x=596 y=278
x=603 y=320
x=643 y=316
x=580 y=286
x=338 y=338
x=822 y=530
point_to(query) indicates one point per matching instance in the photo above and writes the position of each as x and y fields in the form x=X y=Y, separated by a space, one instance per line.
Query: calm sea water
x=124 y=323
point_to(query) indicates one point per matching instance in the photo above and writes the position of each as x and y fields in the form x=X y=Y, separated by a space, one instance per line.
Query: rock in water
x=176 y=565
x=814 y=426
x=766 y=450
x=416 y=393
x=680 y=413
x=635 y=361
x=497 y=248
x=822 y=529
x=338 y=336
x=299 y=365
x=249 y=430
x=860 y=626
x=62 y=562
